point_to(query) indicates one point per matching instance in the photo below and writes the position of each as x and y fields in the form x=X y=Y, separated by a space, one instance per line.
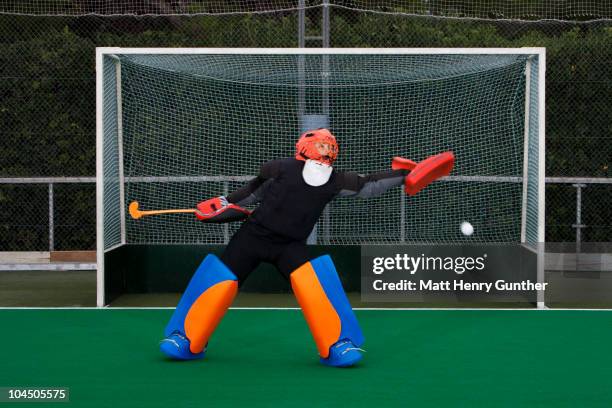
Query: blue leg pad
x=330 y=282
x=210 y=272
x=203 y=304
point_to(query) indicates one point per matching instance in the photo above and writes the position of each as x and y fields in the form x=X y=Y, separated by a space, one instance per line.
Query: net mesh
x=483 y=9
x=198 y=126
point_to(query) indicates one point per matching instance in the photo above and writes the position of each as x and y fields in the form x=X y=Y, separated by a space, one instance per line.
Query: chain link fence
x=47 y=87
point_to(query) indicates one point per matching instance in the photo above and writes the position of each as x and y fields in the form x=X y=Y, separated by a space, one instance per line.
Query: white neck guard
x=316 y=173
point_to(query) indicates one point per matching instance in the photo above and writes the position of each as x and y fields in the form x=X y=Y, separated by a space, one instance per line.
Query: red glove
x=218 y=210
x=425 y=172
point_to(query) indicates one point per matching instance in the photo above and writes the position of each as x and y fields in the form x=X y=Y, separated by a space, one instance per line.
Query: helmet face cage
x=306 y=146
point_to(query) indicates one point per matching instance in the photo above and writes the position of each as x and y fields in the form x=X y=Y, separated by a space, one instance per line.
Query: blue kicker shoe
x=176 y=346
x=343 y=354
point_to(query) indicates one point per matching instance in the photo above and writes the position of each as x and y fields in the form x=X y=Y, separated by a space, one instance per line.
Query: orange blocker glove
x=424 y=173
x=219 y=210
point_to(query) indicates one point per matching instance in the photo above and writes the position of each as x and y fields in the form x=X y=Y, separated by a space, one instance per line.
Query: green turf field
x=260 y=358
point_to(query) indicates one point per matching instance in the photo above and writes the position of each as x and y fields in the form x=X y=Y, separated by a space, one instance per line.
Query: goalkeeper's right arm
x=224 y=209
x=218 y=210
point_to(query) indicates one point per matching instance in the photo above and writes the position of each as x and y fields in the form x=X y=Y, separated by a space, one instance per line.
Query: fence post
x=578 y=225
x=51 y=226
x=325 y=24
x=226 y=225
x=402 y=216
x=302 y=24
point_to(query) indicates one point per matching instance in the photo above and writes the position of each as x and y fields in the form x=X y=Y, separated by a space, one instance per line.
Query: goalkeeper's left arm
x=372 y=185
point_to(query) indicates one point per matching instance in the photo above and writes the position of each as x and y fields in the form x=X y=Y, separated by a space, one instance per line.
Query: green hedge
x=47 y=103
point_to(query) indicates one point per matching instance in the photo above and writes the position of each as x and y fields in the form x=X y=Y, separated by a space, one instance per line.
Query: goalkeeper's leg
x=208 y=296
x=328 y=312
x=206 y=299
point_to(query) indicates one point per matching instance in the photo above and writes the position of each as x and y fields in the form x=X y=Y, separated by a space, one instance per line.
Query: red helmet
x=309 y=146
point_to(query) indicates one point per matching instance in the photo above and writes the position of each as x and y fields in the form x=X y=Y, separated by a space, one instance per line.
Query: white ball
x=466 y=228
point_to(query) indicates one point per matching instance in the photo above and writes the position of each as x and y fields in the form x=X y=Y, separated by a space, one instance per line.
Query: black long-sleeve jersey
x=289 y=207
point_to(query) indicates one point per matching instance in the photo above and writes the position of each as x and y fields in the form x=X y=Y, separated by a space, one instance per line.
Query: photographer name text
x=456 y=285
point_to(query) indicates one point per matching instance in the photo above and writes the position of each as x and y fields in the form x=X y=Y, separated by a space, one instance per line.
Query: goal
x=176 y=126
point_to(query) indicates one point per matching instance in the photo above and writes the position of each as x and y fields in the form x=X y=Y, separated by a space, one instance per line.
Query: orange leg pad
x=206 y=313
x=321 y=316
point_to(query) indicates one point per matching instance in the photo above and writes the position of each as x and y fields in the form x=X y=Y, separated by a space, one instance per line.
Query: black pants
x=253 y=244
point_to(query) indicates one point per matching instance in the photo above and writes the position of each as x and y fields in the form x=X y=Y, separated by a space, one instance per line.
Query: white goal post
x=160 y=112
